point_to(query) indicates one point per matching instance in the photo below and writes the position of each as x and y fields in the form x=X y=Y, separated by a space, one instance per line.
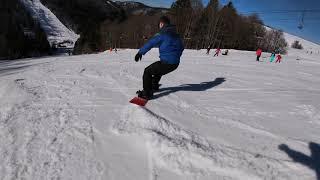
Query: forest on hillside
x=20 y=35
x=104 y=24
x=199 y=26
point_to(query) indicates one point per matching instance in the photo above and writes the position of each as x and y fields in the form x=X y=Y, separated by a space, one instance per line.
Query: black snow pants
x=153 y=73
x=258 y=57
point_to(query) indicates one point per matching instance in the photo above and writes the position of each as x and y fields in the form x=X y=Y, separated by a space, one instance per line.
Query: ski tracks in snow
x=181 y=151
x=46 y=135
x=177 y=149
x=47 y=132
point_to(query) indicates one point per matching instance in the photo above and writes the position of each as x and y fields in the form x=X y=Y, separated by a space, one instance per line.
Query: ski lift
x=301 y=24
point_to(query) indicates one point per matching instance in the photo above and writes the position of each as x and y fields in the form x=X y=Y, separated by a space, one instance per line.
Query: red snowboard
x=139 y=101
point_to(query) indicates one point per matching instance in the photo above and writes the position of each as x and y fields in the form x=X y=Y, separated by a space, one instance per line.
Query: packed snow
x=56 y=31
x=226 y=117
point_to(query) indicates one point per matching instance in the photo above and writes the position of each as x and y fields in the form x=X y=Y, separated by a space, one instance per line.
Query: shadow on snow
x=312 y=161
x=189 y=87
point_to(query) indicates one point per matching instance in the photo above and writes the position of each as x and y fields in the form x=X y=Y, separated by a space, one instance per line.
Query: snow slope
x=55 y=30
x=214 y=118
x=308 y=46
x=310 y=51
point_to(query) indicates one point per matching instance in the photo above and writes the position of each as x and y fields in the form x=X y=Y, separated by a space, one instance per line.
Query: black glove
x=138 y=57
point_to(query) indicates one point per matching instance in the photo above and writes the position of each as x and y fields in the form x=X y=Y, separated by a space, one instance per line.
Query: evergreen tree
x=181 y=11
x=205 y=25
x=229 y=27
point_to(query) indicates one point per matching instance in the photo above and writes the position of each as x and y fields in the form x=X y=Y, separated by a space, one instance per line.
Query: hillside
x=79 y=14
x=20 y=35
x=86 y=18
x=307 y=45
x=55 y=30
x=136 y=8
x=227 y=117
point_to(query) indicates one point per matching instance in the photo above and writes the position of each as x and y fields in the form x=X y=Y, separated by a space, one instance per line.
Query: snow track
x=184 y=151
x=45 y=137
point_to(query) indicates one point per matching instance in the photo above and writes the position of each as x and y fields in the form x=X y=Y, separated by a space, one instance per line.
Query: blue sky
x=275 y=13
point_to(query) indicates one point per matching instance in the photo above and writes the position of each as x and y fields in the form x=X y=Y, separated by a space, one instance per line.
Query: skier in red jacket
x=218 y=50
x=259 y=52
x=279 y=57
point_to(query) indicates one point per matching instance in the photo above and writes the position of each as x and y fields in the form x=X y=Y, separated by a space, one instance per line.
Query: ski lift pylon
x=301 y=24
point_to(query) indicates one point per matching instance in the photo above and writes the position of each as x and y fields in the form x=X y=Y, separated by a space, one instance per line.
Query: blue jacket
x=169 y=43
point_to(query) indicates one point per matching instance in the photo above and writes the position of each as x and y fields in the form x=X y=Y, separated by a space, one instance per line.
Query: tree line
x=223 y=27
x=200 y=27
x=104 y=25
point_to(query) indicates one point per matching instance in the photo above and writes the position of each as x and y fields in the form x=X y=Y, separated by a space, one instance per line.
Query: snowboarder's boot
x=155 y=87
x=145 y=95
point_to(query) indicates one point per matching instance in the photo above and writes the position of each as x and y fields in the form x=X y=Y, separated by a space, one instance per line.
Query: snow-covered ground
x=55 y=30
x=228 y=117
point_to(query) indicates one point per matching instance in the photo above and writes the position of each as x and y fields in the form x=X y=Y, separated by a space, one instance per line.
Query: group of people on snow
x=217 y=52
x=272 y=57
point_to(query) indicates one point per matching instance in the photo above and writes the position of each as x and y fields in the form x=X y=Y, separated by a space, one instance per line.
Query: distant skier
x=279 y=57
x=170 y=49
x=273 y=55
x=225 y=53
x=218 y=50
x=208 y=49
x=259 y=53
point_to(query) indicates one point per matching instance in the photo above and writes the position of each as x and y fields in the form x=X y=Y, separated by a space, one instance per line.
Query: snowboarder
x=218 y=50
x=273 y=55
x=279 y=57
x=208 y=49
x=225 y=53
x=259 y=53
x=170 y=49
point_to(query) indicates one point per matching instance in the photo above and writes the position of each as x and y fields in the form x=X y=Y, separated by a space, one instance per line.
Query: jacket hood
x=171 y=29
